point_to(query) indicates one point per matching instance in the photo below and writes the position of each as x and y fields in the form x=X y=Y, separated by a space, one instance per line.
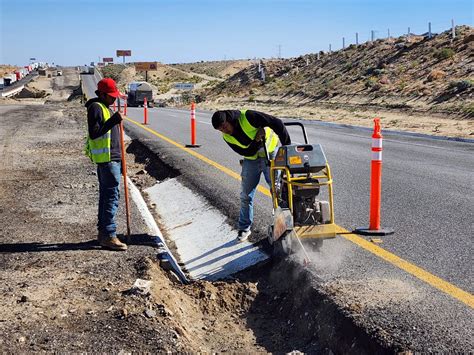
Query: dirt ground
x=62 y=292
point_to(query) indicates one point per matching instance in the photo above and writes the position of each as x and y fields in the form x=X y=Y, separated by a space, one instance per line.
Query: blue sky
x=69 y=32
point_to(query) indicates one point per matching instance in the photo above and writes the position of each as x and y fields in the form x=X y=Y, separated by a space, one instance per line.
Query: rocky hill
x=415 y=73
x=218 y=69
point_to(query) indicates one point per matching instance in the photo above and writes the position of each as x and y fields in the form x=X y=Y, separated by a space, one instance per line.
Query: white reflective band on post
x=377 y=155
x=376 y=142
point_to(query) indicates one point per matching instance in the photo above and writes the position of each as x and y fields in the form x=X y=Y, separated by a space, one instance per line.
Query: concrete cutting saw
x=302 y=197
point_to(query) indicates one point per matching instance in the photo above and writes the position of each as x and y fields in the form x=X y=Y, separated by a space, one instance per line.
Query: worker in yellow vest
x=246 y=132
x=103 y=148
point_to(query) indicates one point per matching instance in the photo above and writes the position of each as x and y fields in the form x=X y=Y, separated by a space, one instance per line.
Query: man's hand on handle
x=260 y=136
x=117 y=118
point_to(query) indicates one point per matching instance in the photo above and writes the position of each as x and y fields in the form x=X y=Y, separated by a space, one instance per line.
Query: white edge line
x=153 y=227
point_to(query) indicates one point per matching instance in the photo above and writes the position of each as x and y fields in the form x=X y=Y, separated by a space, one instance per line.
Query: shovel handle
x=124 y=171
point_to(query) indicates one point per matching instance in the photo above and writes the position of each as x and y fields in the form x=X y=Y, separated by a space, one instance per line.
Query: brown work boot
x=112 y=243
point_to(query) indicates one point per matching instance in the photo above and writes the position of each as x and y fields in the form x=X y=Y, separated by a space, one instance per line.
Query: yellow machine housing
x=298 y=172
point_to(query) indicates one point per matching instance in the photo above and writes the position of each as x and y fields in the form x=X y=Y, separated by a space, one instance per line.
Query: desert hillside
x=415 y=73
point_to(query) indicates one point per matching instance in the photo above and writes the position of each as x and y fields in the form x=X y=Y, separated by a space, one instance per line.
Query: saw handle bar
x=286 y=124
x=302 y=127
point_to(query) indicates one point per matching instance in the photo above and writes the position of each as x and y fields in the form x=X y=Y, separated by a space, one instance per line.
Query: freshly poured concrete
x=204 y=241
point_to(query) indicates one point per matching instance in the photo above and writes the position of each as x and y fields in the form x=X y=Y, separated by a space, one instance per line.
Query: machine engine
x=304 y=160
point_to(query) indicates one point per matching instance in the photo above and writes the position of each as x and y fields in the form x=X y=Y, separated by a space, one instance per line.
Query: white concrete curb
x=153 y=229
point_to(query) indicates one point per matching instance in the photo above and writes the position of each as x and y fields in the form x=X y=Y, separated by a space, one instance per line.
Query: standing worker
x=246 y=132
x=103 y=148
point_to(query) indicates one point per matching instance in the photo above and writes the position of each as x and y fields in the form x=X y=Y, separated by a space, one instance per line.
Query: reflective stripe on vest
x=271 y=139
x=98 y=150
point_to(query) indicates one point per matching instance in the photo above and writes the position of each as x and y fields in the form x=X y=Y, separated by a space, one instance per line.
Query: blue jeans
x=109 y=175
x=251 y=171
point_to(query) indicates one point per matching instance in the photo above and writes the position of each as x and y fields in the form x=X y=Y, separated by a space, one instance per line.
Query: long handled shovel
x=124 y=173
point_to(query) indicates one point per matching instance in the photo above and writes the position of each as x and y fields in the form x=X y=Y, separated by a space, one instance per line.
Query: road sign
x=100 y=64
x=184 y=86
x=124 y=53
x=145 y=66
x=108 y=60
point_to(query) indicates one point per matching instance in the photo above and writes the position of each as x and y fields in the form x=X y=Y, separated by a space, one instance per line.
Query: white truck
x=137 y=92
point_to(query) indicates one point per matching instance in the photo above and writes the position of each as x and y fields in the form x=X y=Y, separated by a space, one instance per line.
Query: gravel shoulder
x=60 y=290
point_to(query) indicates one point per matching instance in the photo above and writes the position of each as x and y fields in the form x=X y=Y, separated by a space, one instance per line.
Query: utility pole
x=408 y=34
x=330 y=48
x=357 y=38
x=429 y=30
x=343 y=43
x=372 y=35
x=388 y=33
x=453 y=29
x=279 y=51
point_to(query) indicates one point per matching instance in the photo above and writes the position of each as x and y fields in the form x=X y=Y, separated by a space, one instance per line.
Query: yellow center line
x=391 y=258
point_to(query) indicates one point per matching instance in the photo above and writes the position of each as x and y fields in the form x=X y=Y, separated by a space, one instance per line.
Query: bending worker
x=245 y=132
x=103 y=148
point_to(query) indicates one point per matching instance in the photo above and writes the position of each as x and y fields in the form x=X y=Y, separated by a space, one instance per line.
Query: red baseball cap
x=108 y=86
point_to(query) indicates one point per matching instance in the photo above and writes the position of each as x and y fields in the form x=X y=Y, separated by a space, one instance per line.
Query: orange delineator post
x=376 y=177
x=193 y=123
x=193 y=127
x=375 y=186
x=145 y=111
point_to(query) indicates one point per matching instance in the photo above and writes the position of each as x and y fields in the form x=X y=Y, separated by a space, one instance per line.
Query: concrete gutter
x=164 y=253
x=205 y=242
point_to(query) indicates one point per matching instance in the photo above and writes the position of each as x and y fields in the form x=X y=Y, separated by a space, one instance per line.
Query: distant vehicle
x=59 y=73
x=9 y=79
x=87 y=70
x=136 y=93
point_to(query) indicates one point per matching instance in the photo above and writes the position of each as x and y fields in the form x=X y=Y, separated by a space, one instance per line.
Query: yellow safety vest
x=271 y=139
x=98 y=150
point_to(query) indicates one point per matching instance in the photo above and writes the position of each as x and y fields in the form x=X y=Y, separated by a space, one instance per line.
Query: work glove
x=116 y=118
x=260 y=136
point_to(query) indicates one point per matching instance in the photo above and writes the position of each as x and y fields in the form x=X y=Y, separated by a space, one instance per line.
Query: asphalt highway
x=417 y=283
